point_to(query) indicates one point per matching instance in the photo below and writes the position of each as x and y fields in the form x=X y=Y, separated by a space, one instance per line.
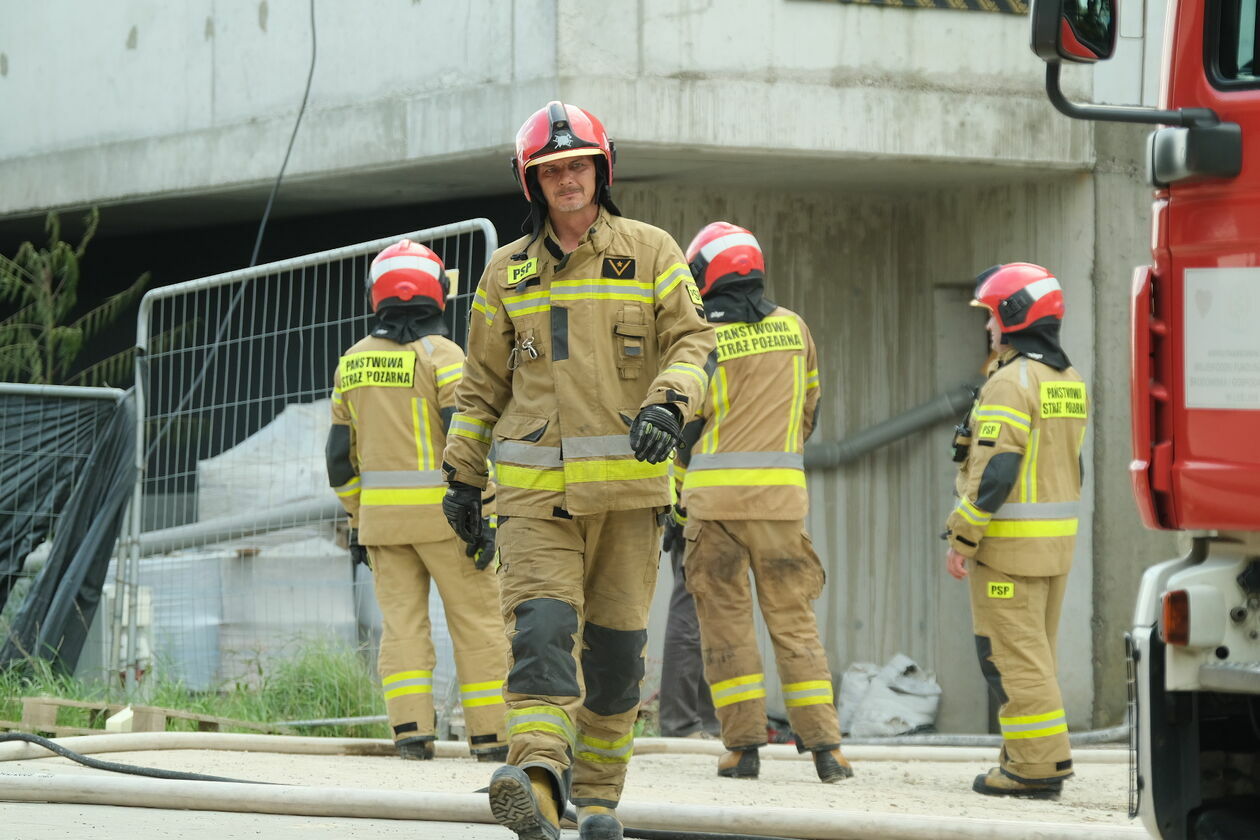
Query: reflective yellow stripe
x=747 y=679
x=1028 y=469
x=808 y=693
x=971 y=513
x=449 y=374
x=694 y=372
x=1042 y=718
x=350 y=488
x=336 y=396
x=480 y=305
x=811 y=379
x=778 y=477
x=1036 y=733
x=721 y=407
x=1031 y=528
x=581 y=472
x=797 y=404
x=403 y=496
x=406 y=675
x=541 y=719
x=628 y=738
x=481 y=686
x=670 y=278
x=482 y=701
x=731 y=699
x=402 y=691
x=470 y=427
x=528 y=478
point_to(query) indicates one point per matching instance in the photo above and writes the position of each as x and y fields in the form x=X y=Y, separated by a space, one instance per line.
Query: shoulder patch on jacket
x=520 y=271
x=617 y=268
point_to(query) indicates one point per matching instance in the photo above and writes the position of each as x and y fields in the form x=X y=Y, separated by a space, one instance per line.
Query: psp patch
x=1001 y=589
x=521 y=271
x=617 y=268
x=693 y=293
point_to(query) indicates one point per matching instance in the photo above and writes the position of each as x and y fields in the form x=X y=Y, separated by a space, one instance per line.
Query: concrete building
x=882 y=155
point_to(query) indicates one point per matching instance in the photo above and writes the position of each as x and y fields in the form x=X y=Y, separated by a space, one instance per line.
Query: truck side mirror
x=1082 y=31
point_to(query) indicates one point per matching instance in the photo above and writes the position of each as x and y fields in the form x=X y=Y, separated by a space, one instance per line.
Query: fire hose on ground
x=643 y=820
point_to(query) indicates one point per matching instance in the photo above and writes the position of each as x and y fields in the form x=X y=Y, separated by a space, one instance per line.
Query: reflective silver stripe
x=998 y=414
x=596 y=447
x=822 y=691
x=747 y=460
x=731 y=240
x=640 y=291
x=532 y=300
x=473 y=695
x=516 y=722
x=1040 y=288
x=621 y=752
x=402 y=478
x=390 y=686
x=1060 y=720
x=421 y=264
x=1037 y=510
x=427 y=345
x=527 y=454
x=727 y=691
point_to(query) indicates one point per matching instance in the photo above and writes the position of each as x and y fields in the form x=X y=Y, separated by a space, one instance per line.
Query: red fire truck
x=1194 y=651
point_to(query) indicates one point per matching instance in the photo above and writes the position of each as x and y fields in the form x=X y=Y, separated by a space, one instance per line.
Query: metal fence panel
x=237 y=555
x=47 y=433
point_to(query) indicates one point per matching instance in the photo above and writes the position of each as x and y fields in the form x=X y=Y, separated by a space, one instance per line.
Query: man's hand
x=358 y=553
x=462 y=506
x=655 y=433
x=956 y=565
x=483 y=551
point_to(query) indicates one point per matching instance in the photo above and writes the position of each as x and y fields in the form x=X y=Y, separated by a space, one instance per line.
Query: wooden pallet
x=39 y=716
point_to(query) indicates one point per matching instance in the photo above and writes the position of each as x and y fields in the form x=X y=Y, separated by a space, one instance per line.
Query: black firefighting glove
x=483 y=551
x=655 y=433
x=358 y=553
x=462 y=506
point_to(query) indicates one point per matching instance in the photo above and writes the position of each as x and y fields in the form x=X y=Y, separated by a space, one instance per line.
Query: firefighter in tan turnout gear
x=587 y=352
x=743 y=496
x=393 y=397
x=1013 y=527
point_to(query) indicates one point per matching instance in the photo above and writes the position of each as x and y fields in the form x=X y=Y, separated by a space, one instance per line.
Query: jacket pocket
x=630 y=340
x=526 y=427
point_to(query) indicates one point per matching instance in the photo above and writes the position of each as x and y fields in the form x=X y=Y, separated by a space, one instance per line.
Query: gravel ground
x=1098 y=793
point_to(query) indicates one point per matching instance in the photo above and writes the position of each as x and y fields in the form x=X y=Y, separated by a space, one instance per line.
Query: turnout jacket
x=1019 y=488
x=748 y=461
x=563 y=351
x=385 y=445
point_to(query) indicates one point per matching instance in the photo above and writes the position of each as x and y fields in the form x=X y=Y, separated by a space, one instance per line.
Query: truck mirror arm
x=1183 y=117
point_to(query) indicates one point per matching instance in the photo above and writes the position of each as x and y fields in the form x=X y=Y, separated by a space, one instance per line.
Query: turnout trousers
x=401 y=574
x=686 y=706
x=576 y=594
x=1016 y=623
x=789 y=576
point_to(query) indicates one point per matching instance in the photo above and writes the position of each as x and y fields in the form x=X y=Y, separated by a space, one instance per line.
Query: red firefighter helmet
x=721 y=249
x=407 y=270
x=560 y=131
x=1019 y=295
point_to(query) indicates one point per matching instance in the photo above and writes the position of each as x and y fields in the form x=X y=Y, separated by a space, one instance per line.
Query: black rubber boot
x=740 y=764
x=832 y=766
x=600 y=827
x=415 y=749
x=514 y=801
x=997 y=783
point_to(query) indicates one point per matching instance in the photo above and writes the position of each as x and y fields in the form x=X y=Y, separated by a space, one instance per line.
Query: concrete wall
x=151 y=100
x=884 y=282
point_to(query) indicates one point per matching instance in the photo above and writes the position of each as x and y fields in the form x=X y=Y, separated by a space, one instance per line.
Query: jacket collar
x=596 y=239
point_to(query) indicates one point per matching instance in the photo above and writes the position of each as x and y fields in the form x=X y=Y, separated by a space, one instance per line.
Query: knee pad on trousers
x=984 y=650
x=612 y=664
x=542 y=649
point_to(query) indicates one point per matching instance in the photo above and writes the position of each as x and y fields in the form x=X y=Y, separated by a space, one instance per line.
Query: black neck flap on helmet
x=409 y=321
x=1040 y=341
x=738 y=297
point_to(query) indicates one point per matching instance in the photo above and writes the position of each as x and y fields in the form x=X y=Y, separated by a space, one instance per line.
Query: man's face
x=995 y=334
x=568 y=185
